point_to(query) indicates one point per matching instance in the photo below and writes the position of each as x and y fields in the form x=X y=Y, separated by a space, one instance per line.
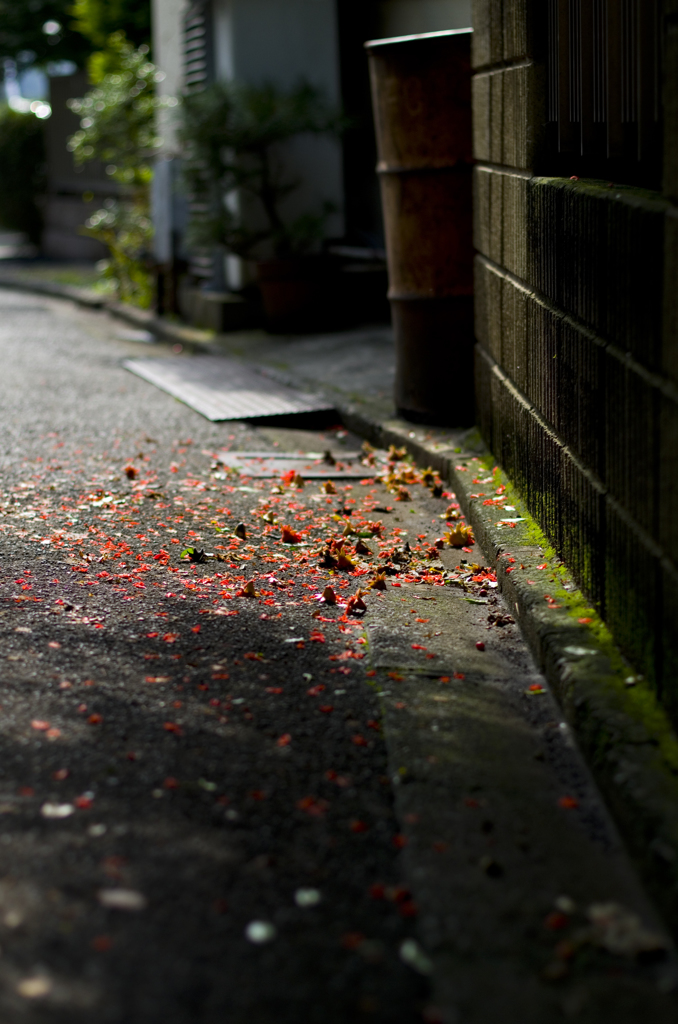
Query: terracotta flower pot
x=292 y=291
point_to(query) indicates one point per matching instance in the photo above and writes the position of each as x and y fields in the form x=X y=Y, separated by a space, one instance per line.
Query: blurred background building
x=282 y=42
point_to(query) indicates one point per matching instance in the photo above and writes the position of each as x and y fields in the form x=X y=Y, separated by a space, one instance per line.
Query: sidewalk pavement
x=497 y=893
x=624 y=733
x=621 y=728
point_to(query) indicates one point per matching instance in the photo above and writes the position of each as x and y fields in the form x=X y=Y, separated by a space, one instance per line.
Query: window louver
x=604 y=82
x=197 y=46
x=198 y=73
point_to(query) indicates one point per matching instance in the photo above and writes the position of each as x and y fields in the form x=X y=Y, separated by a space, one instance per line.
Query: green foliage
x=124 y=227
x=22 y=37
x=118 y=127
x=118 y=117
x=231 y=135
x=98 y=19
x=22 y=171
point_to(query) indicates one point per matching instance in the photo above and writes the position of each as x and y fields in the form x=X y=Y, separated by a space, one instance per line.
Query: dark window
x=603 y=63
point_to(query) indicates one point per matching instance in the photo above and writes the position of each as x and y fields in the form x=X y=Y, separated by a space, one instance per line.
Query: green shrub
x=22 y=172
x=118 y=127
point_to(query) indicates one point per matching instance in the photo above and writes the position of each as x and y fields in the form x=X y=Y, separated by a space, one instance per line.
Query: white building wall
x=167 y=28
x=410 y=17
x=167 y=21
x=284 y=41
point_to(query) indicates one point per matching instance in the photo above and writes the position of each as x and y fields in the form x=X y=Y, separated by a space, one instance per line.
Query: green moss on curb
x=638 y=701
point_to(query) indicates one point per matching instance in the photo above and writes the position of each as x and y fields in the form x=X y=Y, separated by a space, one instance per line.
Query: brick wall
x=577 y=331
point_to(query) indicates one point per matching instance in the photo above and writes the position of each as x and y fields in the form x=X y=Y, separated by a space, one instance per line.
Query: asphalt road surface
x=225 y=799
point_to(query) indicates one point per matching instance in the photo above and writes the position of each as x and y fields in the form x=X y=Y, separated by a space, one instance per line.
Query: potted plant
x=232 y=136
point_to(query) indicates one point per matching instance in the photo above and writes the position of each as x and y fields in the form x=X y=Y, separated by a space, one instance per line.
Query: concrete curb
x=82 y=296
x=145 y=319
x=622 y=730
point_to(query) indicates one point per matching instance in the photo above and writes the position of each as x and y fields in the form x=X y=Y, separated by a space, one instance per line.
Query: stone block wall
x=577 y=341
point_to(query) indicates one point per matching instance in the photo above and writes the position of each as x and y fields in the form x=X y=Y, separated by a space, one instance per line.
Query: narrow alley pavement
x=225 y=798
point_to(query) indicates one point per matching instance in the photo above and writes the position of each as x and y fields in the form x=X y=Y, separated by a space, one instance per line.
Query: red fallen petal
x=290 y=536
x=38 y=724
x=284 y=740
x=584 y=622
x=171 y=783
x=359 y=740
x=60 y=774
x=83 y=802
x=326 y=708
x=95 y=719
x=556 y=920
x=459 y=675
x=26 y=791
x=417 y=647
x=408 y=909
x=371 y=674
x=152 y=634
x=173 y=727
x=373 y=725
x=399 y=841
x=316 y=690
x=352 y=940
x=358 y=826
x=568 y=802
x=195 y=629
x=274 y=689
x=315 y=807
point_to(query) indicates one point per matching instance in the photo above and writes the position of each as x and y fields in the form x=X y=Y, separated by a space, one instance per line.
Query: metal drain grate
x=309 y=465
x=223 y=389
